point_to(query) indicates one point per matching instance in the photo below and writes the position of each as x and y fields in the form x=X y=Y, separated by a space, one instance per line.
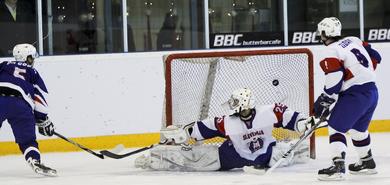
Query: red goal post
x=196 y=84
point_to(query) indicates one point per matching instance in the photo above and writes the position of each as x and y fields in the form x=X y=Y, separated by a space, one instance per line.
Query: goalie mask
x=25 y=53
x=330 y=26
x=241 y=99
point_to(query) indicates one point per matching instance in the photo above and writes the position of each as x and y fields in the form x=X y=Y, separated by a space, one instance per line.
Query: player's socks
x=336 y=172
x=365 y=166
x=30 y=149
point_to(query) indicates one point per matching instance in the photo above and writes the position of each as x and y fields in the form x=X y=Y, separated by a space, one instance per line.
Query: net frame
x=237 y=56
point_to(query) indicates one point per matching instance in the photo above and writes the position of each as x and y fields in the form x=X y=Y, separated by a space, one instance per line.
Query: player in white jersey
x=248 y=133
x=350 y=79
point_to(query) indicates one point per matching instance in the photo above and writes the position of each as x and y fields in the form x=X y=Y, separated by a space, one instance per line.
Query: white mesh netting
x=198 y=86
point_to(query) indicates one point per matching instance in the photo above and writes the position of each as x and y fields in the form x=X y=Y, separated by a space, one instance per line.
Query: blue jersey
x=25 y=79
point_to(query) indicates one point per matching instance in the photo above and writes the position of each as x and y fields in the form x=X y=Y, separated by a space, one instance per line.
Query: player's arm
x=40 y=94
x=208 y=128
x=286 y=118
x=374 y=55
x=292 y=120
x=334 y=75
x=198 y=130
x=45 y=126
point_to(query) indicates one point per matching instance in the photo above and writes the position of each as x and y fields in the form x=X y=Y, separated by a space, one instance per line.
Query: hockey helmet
x=241 y=99
x=22 y=51
x=330 y=26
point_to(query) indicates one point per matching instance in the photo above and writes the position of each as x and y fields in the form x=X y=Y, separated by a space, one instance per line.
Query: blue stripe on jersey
x=207 y=132
x=372 y=52
x=335 y=89
x=291 y=124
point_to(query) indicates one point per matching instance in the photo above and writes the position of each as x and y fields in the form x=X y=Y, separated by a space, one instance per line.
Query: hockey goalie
x=248 y=133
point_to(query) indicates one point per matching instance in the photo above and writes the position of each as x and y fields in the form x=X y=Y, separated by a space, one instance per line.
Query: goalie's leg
x=231 y=159
x=181 y=158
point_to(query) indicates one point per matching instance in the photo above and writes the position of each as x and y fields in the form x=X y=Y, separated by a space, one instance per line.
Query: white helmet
x=22 y=51
x=241 y=99
x=331 y=26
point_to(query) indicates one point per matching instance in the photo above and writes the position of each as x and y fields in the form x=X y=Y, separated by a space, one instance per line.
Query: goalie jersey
x=21 y=79
x=252 y=138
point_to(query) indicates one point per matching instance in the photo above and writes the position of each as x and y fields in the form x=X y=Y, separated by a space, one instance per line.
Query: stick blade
x=110 y=154
x=113 y=153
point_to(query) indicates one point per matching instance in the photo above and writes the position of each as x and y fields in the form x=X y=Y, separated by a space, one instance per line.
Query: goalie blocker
x=249 y=140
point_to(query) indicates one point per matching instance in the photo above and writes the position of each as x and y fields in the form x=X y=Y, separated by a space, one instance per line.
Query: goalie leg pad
x=179 y=158
x=300 y=155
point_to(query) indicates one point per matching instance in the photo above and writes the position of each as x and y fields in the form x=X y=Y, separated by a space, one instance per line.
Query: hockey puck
x=275 y=82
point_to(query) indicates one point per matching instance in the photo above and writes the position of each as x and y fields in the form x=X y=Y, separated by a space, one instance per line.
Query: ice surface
x=81 y=168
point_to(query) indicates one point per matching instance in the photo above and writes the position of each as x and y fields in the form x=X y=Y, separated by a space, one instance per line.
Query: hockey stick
x=302 y=138
x=120 y=156
x=114 y=155
x=78 y=145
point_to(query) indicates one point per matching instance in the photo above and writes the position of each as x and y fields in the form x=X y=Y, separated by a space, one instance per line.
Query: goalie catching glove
x=45 y=127
x=179 y=134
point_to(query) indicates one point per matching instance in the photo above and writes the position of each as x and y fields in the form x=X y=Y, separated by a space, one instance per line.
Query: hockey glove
x=322 y=104
x=305 y=124
x=45 y=127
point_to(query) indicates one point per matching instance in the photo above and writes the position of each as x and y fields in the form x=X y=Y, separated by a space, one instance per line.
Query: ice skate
x=41 y=169
x=365 y=166
x=336 y=172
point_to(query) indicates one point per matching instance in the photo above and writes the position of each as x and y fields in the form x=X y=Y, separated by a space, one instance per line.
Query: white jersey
x=347 y=64
x=250 y=138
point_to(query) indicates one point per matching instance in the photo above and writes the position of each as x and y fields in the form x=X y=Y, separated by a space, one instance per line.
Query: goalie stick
x=115 y=155
x=120 y=156
x=253 y=170
x=80 y=146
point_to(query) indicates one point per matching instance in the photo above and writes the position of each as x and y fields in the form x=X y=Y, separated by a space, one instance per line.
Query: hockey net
x=198 y=83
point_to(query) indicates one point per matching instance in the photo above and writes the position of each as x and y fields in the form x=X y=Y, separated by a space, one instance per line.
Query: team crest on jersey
x=256 y=144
